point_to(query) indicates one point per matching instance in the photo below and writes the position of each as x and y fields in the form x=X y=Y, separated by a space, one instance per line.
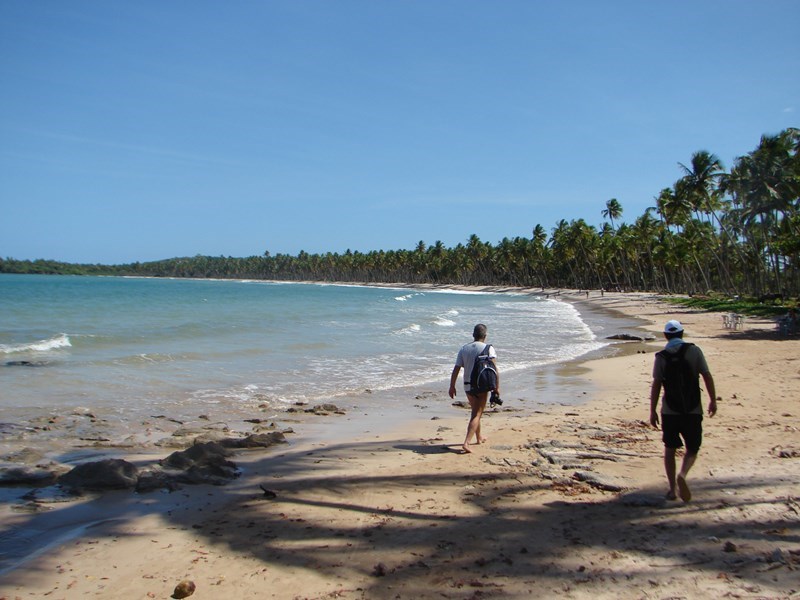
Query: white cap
x=673 y=327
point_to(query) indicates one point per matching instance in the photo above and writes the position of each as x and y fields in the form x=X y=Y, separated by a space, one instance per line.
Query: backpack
x=681 y=387
x=484 y=374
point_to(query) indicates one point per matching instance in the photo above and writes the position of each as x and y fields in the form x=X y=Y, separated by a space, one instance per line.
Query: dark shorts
x=688 y=427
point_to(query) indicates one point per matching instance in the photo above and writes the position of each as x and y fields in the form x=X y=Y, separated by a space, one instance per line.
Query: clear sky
x=135 y=131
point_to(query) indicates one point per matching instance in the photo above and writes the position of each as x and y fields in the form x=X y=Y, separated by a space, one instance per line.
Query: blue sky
x=134 y=131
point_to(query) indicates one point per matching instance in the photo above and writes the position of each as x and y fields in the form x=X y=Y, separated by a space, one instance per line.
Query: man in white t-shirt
x=477 y=401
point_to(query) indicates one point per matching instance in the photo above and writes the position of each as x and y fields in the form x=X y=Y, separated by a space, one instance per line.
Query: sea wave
x=410 y=330
x=443 y=322
x=54 y=343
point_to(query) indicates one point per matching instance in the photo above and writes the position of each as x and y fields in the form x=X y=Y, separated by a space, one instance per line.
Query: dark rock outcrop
x=205 y=462
x=202 y=463
x=255 y=440
x=156 y=478
x=106 y=474
x=199 y=454
x=325 y=409
x=630 y=337
x=27 y=476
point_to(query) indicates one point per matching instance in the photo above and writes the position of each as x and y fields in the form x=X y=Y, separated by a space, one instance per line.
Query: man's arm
x=454 y=380
x=496 y=370
x=712 y=394
x=655 y=392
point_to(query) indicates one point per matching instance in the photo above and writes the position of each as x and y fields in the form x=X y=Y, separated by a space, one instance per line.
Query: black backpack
x=681 y=387
x=484 y=374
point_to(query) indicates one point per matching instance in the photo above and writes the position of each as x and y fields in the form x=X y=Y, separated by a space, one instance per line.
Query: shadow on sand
x=387 y=534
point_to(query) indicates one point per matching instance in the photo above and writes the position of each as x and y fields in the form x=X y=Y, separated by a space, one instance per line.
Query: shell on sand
x=184 y=589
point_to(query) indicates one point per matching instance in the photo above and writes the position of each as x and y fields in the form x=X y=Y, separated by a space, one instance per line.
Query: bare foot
x=483 y=440
x=683 y=489
x=671 y=495
x=466 y=449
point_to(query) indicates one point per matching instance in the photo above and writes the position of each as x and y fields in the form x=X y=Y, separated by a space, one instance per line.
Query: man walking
x=477 y=400
x=677 y=369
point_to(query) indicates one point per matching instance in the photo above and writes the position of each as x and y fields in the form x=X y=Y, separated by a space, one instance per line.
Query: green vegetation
x=52 y=267
x=734 y=233
x=748 y=306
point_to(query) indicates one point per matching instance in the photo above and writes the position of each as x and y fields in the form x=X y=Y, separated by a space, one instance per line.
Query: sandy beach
x=566 y=500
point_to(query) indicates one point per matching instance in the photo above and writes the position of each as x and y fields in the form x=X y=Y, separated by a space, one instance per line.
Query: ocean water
x=134 y=348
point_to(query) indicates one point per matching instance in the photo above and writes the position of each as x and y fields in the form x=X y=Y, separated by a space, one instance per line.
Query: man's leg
x=692 y=432
x=683 y=487
x=477 y=404
x=669 y=467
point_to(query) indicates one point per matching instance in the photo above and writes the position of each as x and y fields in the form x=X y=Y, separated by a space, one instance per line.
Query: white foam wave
x=53 y=343
x=154 y=358
x=442 y=322
x=238 y=394
x=410 y=330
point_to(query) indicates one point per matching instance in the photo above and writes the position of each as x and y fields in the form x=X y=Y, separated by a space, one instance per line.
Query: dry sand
x=404 y=515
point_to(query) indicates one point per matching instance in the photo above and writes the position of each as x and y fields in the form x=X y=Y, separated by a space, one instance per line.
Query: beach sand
x=566 y=500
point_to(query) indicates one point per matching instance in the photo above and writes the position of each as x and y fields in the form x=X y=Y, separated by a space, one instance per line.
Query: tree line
x=735 y=232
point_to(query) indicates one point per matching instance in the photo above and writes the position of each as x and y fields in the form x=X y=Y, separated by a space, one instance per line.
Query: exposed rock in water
x=324 y=409
x=630 y=337
x=26 y=363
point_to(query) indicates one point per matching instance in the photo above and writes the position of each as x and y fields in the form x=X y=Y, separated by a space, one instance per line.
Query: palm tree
x=612 y=211
x=607 y=252
x=700 y=182
x=539 y=253
x=674 y=209
x=563 y=254
x=644 y=237
x=700 y=189
x=766 y=185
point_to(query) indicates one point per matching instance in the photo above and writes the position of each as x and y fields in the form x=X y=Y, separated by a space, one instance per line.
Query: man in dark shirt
x=680 y=427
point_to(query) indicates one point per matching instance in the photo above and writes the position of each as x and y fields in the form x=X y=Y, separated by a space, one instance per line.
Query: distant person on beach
x=677 y=369
x=789 y=322
x=477 y=400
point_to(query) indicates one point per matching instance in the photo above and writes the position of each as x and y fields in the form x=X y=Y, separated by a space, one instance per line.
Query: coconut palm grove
x=715 y=231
